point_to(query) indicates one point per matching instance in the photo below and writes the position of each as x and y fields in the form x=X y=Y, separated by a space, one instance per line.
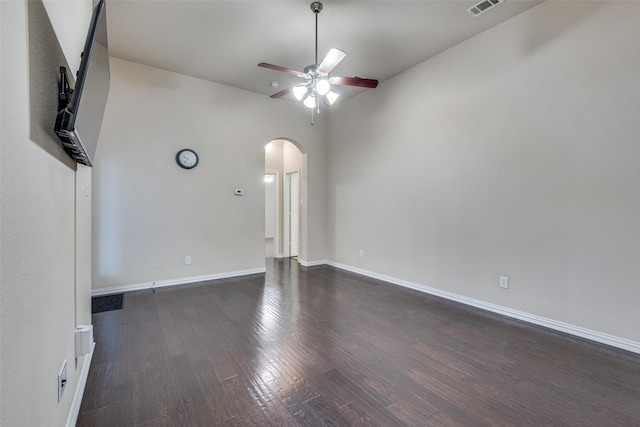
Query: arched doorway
x=285 y=192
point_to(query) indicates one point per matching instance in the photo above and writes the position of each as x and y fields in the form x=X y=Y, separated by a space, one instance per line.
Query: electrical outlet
x=187 y=260
x=361 y=253
x=62 y=380
x=504 y=282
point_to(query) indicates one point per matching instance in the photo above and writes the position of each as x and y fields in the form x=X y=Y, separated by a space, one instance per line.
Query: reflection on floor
x=319 y=346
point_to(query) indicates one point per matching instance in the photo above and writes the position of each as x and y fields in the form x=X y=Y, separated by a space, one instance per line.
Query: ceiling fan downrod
x=316 y=7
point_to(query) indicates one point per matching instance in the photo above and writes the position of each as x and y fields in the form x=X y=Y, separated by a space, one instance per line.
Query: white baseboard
x=74 y=411
x=174 y=282
x=306 y=263
x=600 y=337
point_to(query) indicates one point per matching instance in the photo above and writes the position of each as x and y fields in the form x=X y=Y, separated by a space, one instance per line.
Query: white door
x=293 y=185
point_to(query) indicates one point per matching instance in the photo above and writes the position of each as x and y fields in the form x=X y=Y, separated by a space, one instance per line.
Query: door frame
x=286 y=211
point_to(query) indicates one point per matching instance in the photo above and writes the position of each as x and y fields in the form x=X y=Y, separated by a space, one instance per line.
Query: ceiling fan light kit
x=299 y=92
x=318 y=83
x=310 y=101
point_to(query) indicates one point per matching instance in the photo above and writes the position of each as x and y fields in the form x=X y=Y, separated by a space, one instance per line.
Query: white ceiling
x=223 y=41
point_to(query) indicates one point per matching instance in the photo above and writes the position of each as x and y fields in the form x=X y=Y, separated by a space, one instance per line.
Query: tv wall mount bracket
x=64 y=91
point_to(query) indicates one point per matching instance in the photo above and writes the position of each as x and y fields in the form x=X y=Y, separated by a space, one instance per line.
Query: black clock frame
x=180 y=163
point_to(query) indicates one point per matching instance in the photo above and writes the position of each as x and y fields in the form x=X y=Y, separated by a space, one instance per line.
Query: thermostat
x=239 y=192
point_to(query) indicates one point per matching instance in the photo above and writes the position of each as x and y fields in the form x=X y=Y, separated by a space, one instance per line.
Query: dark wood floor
x=319 y=346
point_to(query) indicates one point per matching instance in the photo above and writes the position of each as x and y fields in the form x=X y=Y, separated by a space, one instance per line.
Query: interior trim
x=74 y=411
x=174 y=282
x=306 y=263
x=578 y=331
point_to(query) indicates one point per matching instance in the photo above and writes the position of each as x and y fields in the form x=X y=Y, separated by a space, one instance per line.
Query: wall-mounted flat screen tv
x=81 y=110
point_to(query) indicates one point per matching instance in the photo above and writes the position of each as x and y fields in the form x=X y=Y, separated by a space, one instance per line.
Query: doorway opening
x=285 y=187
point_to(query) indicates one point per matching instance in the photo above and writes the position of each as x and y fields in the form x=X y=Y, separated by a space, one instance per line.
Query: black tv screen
x=78 y=122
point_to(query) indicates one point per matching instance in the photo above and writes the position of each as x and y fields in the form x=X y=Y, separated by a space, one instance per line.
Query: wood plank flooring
x=322 y=347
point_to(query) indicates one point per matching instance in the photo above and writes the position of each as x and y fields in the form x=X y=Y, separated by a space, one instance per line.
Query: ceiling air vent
x=483 y=6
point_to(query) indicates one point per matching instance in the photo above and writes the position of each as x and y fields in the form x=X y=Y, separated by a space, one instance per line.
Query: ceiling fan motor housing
x=311 y=69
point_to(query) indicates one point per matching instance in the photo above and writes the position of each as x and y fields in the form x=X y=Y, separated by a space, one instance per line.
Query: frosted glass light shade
x=323 y=87
x=310 y=101
x=331 y=97
x=299 y=91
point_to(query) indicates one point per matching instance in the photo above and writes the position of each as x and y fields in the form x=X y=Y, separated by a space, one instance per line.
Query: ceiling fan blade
x=354 y=81
x=284 y=70
x=282 y=93
x=330 y=61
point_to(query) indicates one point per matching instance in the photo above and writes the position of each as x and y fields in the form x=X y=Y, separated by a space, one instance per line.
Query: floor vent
x=107 y=303
x=483 y=6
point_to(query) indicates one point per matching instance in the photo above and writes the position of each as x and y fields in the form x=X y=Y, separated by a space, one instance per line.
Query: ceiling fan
x=318 y=84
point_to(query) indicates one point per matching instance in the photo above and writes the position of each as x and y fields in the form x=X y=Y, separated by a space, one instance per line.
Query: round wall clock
x=187 y=158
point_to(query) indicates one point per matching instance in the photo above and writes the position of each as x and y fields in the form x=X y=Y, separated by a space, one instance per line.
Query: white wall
x=514 y=153
x=273 y=162
x=70 y=21
x=149 y=213
x=292 y=158
x=38 y=257
x=83 y=190
x=271 y=206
